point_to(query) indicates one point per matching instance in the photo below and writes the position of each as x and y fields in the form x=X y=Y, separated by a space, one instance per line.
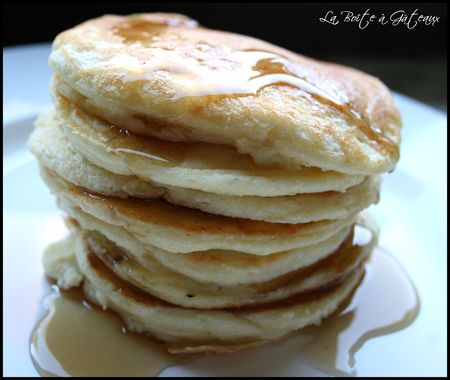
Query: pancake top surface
x=226 y=88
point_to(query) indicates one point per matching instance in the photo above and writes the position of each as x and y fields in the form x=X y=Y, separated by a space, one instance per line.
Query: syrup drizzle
x=210 y=73
x=385 y=302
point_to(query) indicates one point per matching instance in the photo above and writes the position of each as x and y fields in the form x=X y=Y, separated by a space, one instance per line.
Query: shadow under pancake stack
x=212 y=181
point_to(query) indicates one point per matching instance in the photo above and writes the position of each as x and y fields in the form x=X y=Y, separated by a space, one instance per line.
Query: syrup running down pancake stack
x=212 y=181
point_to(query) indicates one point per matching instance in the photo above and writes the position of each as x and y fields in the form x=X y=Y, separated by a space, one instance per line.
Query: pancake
x=234 y=267
x=182 y=230
x=301 y=208
x=165 y=76
x=187 y=328
x=206 y=167
x=180 y=290
x=53 y=150
x=60 y=263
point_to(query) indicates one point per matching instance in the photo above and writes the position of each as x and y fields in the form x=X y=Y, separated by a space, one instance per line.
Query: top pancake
x=163 y=75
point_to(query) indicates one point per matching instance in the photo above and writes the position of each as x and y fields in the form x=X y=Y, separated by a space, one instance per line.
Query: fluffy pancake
x=53 y=150
x=60 y=263
x=211 y=168
x=301 y=208
x=234 y=267
x=48 y=143
x=185 y=327
x=180 y=290
x=180 y=229
x=165 y=76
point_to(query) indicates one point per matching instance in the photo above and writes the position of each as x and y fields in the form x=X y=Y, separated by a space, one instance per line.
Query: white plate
x=411 y=213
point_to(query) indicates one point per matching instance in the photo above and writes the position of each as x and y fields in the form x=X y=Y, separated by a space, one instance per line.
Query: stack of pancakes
x=212 y=181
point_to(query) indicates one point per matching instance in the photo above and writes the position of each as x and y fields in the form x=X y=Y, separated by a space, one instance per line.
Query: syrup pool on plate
x=78 y=339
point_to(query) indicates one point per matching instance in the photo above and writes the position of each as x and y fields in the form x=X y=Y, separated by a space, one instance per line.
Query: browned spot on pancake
x=338 y=266
x=142 y=297
x=163 y=213
x=160 y=127
x=135 y=29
